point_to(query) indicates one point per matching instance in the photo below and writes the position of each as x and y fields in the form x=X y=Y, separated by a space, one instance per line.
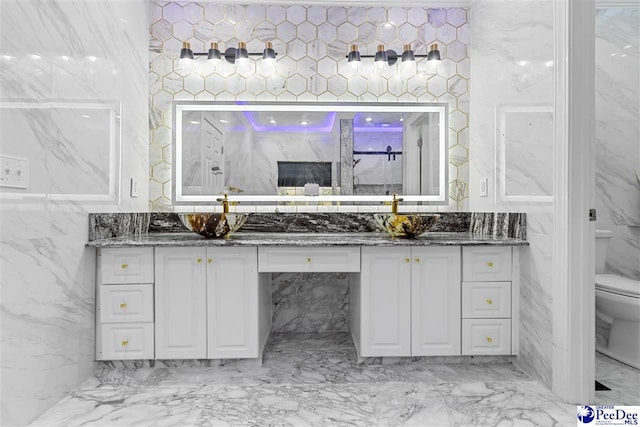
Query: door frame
x=573 y=306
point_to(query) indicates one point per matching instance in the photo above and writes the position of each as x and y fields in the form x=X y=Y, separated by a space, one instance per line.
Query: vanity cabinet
x=175 y=302
x=407 y=302
x=206 y=303
x=487 y=300
x=124 y=304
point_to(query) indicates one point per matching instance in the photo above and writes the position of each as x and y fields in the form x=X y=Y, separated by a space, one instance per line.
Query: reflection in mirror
x=287 y=152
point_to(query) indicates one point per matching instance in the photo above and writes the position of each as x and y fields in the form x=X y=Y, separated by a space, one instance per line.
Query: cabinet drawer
x=125 y=265
x=325 y=259
x=486 y=263
x=486 y=299
x=486 y=336
x=126 y=341
x=126 y=303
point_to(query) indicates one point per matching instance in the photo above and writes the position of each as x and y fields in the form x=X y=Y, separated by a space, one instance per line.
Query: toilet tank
x=602 y=244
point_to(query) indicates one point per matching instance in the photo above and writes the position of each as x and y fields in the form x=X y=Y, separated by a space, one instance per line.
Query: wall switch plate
x=14 y=172
x=134 y=188
x=484 y=187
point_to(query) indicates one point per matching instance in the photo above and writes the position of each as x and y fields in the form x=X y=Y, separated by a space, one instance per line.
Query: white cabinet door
x=181 y=303
x=232 y=303
x=435 y=301
x=385 y=302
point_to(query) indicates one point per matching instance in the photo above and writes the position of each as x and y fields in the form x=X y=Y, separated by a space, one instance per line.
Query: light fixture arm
x=229 y=54
x=392 y=56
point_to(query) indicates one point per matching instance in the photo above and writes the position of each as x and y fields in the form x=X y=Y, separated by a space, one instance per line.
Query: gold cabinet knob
x=308 y=259
x=417 y=259
x=489 y=301
x=123 y=305
x=489 y=340
x=125 y=266
x=209 y=261
x=407 y=260
x=125 y=343
x=490 y=264
x=198 y=260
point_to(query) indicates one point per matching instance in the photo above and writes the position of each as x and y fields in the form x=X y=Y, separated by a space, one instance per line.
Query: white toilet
x=617 y=310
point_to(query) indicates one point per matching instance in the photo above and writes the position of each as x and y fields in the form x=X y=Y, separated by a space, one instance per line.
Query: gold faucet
x=394 y=204
x=225 y=203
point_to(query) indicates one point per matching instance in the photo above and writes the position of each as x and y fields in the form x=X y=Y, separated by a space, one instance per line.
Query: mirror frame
x=442 y=198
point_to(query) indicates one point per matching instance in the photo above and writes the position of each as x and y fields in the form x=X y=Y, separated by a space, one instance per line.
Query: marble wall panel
x=512 y=54
x=617 y=163
x=311 y=43
x=310 y=302
x=63 y=53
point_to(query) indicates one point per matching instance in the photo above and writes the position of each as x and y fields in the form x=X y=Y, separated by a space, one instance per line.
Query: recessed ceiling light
x=85 y=116
x=368 y=119
x=385 y=125
x=304 y=122
x=272 y=121
x=194 y=122
x=223 y=121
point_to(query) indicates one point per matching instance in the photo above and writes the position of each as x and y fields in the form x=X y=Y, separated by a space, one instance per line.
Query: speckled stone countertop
x=306 y=239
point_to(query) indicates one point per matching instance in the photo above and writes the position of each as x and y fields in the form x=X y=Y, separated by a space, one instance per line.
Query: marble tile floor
x=313 y=380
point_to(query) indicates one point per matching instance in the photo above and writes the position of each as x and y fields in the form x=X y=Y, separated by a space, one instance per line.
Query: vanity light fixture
x=232 y=55
x=390 y=57
x=268 y=54
x=353 y=58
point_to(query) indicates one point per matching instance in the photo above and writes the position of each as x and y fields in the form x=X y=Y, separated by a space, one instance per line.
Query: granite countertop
x=306 y=239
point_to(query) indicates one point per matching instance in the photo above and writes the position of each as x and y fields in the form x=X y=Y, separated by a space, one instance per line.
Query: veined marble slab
x=306 y=239
x=309 y=229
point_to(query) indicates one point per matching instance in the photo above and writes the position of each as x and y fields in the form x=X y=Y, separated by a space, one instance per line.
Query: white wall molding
x=573 y=296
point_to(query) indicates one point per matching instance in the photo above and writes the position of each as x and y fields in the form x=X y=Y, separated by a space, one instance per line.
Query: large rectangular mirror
x=309 y=152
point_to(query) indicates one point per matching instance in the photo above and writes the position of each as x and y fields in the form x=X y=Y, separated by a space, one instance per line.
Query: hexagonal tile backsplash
x=311 y=43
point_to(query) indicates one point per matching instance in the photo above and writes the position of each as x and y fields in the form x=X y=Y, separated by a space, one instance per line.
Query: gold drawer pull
x=308 y=259
x=407 y=260
x=125 y=266
x=417 y=259
x=490 y=264
x=489 y=301
x=123 y=305
x=209 y=260
x=199 y=260
x=125 y=343
x=489 y=340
